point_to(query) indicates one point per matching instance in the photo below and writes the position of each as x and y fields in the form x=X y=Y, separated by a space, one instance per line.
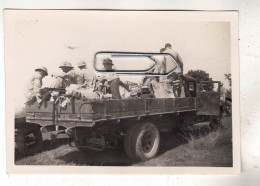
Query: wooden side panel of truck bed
x=95 y=110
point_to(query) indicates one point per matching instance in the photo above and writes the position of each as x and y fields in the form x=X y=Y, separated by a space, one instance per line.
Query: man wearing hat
x=86 y=78
x=106 y=80
x=67 y=77
x=108 y=65
x=34 y=86
x=103 y=84
x=175 y=77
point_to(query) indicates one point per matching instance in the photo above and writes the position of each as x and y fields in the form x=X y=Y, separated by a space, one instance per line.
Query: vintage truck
x=101 y=124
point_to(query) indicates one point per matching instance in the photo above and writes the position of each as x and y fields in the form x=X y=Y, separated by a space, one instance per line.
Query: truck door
x=208 y=98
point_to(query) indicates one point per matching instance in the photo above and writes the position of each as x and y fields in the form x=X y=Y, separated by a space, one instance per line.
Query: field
x=212 y=149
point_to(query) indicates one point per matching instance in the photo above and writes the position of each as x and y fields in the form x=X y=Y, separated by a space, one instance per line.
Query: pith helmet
x=65 y=64
x=43 y=69
x=81 y=64
x=107 y=61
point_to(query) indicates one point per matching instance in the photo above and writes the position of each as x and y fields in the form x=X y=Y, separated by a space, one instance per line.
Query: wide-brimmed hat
x=44 y=69
x=65 y=64
x=107 y=61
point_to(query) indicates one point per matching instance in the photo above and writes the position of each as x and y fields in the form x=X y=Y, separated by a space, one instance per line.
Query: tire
x=128 y=141
x=29 y=139
x=142 y=141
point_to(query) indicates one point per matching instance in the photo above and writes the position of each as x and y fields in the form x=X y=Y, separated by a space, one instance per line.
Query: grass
x=213 y=140
x=213 y=149
x=210 y=150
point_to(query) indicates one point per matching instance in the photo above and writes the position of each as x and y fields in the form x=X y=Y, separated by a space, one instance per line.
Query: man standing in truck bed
x=176 y=81
x=175 y=55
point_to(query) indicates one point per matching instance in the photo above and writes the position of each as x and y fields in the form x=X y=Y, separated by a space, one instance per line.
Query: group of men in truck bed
x=85 y=79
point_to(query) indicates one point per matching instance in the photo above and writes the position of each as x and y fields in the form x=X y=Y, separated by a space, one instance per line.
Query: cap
x=108 y=61
x=81 y=64
x=43 y=69
x=65 y=64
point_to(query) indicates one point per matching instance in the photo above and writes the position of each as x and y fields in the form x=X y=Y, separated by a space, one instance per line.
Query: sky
x=45 y=38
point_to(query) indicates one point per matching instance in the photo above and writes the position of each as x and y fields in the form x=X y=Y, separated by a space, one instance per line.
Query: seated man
x=33 y=92
x=67 y=77
x=64 y=79
x=105 y=79
x=109 y=83
x=86 y=78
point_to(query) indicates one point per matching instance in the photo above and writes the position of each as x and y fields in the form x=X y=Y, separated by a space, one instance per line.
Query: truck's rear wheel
x=142 y=141
x=128 y=141
x=29 y=139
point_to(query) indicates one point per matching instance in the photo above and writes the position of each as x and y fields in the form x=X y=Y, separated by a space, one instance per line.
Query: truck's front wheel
x=28 y=139
x=142 y=141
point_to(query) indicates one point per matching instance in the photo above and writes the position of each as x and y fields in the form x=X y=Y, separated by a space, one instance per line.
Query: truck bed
x=87 y=113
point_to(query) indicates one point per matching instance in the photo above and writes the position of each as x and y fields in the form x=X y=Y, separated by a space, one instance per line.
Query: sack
x=162 y=90
x=82 y=93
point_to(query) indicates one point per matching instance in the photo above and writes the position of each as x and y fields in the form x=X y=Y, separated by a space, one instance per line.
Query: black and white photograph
x=124 y=89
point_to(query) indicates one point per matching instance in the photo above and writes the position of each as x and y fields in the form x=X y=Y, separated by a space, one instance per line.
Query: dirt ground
x=213 y=150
